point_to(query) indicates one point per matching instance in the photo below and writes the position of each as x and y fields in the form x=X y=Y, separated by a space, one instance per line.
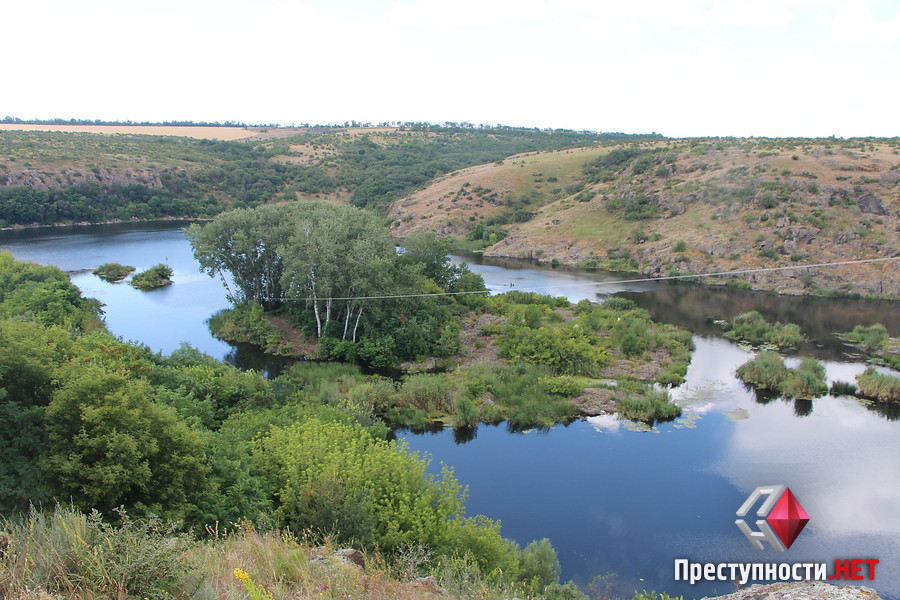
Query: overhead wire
x=620 y=281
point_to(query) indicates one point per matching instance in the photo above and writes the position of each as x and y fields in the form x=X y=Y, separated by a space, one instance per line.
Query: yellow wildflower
x=241 y=574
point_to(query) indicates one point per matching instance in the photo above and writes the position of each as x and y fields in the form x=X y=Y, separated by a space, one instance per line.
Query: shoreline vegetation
x=530 y=359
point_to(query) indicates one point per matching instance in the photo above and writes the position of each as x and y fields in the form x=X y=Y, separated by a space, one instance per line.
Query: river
x=612 y=497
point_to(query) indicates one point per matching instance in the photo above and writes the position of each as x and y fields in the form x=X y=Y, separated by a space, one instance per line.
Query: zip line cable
x=617 y=282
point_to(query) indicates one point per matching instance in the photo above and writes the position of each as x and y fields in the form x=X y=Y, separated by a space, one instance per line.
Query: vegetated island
x=155 y=277
x=325 y=282
x=752 y=329
x=113 y=272
x=644 y=204
x=880 y=347
x=767 y=372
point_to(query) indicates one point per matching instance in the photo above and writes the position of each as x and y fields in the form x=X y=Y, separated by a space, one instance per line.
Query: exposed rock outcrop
x=806 y=590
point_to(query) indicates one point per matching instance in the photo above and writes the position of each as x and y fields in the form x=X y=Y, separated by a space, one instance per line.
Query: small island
x=154 y=277
x=113 y=272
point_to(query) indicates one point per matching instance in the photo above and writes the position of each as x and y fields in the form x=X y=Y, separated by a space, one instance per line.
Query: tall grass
x=67 y=552
x=765 y=371
x=876 y=386
x=64 y=553
x=653 y=405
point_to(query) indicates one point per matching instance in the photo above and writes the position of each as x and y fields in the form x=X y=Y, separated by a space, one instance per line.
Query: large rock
x=806 y=590
x=872 y=204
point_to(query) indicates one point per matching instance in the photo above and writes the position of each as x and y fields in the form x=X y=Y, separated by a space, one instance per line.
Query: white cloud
x=855 y=24
x=440 y=14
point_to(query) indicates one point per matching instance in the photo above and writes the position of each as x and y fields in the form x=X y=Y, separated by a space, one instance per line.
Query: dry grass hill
x=684 y=207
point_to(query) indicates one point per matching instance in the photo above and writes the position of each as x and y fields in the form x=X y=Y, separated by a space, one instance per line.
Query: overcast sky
x=677 y=67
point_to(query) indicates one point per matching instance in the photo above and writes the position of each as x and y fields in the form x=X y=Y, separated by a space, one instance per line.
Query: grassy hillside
x=684 y=206
x=53 y=177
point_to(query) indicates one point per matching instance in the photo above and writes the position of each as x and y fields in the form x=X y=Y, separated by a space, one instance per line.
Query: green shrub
x=466 y=411
x=653 y=405
x=805 y=382
x=765 y=371
x=752 y=328
x=564 y=386
x=539 y=565
x=336 y=480
x=872 y=337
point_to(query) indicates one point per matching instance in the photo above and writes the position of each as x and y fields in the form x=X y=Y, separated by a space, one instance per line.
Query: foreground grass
x=69 y=554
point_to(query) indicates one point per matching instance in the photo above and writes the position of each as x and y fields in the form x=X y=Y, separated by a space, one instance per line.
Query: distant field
x=220 y=133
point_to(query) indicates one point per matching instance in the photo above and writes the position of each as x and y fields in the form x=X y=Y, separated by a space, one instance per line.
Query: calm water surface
x=611 y=497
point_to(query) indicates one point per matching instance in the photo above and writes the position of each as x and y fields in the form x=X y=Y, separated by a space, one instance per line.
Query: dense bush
x=765 y=371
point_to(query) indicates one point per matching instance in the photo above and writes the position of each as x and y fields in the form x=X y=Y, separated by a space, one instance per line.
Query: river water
x=612 y=497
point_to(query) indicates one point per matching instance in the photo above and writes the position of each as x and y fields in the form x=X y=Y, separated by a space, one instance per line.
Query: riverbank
x=134 y=220
x=567 y=360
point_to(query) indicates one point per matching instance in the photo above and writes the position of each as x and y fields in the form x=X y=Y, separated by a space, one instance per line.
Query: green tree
x=245 y=244
x=431 y=252
x=110 y=444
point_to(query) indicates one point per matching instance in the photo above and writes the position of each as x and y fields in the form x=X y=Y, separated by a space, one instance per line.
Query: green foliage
x=653 y=595
x=634 y=208
x=109 y=444
x=430 y=253
x=564 y=386
x=636 y=338
x=872 y=337
x=876 y=386
x=247 y=323
x=154 y=277
x=842 y=388
x=752 y=328
x=570 y=349
x=335 y=479
x=113 y=271
x=651 y=406
x=765 y=371
x=467 y=413
x=427 y=392
x=324 y=270
x=806 y=381
x=44 y=295
x=539 y=565
x=519 y=390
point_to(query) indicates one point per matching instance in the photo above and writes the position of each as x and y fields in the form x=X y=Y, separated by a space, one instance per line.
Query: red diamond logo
x=787 y=518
